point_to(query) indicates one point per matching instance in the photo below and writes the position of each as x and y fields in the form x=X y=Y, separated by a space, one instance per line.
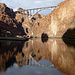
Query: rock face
x=58 y=21
x=19 y=14
x=5 y=10
x=26 y=12
x=6 y=15
x=55 y=24
x=8 y=23
x=29 y=24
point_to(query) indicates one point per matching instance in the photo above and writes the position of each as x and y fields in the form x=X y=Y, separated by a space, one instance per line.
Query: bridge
x=32 y=62
x=29 y=13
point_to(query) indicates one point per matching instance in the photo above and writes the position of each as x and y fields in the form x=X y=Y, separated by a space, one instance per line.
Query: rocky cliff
x=8 y=22
x=58 y=21
x=13 y=23
x=29 y=24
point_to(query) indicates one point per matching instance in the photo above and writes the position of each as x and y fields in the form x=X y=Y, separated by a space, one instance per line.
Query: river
x=37 y=57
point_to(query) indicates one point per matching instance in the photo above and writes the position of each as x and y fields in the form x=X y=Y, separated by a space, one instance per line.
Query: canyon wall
x=9 y=24
x=58 y=21
x=55 y=24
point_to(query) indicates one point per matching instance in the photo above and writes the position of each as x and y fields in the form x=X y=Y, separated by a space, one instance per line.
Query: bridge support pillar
x=24 y=14
x=33 y=11
x=30 y=14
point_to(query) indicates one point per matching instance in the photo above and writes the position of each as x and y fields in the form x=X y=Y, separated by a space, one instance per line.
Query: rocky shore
x=59 y=23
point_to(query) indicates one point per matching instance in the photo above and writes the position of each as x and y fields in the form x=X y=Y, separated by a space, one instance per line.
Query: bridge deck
x=41 y=8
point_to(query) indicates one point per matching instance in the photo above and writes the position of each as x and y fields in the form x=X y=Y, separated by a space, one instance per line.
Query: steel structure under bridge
x=29 y=13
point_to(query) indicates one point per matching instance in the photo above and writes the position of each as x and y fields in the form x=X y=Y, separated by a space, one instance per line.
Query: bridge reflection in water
x=32 y=62
x=31 y=52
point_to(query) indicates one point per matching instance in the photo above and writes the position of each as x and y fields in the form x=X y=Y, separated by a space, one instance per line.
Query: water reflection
x=8 y=51
x=69 y=42
x=54 y=50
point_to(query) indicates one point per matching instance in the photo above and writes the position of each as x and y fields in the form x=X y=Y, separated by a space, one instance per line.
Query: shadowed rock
x=70 y=34
x=44 y=37
x=9 y=26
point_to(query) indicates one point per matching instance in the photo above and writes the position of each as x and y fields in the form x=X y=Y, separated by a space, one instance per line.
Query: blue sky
x=26 y=4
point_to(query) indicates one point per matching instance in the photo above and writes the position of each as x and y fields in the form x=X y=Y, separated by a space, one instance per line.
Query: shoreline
x=26 y=38
x=15 y=38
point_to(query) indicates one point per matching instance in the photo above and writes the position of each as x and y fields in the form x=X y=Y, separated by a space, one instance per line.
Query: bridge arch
x=30 y=15
x=39 y=11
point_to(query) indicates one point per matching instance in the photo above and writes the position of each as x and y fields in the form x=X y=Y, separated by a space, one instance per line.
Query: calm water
x=37 y=57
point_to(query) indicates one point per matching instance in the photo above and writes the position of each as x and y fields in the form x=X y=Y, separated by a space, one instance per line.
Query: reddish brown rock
x=28 y=24
x=19 y=18
x=61 y=19
x=7 y=11
x=6 y=19
x=22 y=14
x=39 y=16
x=26 y=12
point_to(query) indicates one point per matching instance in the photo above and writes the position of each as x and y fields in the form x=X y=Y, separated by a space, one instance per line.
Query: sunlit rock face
x=9 y=26
x=58 y=21
x=20 y=17
x=26 y=12
x=6 y=15
x=5 y=10
x=28 y=24
x=10 y=22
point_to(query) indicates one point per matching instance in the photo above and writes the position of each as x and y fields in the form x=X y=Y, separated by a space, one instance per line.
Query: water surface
x=37 y=57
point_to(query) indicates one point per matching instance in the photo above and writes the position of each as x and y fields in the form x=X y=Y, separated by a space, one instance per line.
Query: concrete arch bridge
x=29 y=13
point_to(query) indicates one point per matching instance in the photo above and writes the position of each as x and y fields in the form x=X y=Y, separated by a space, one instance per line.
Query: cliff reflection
x=54 y=50
x=69 y=42
x=8 y=51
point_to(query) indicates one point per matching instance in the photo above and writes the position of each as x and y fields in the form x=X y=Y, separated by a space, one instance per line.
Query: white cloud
x=37 y=2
